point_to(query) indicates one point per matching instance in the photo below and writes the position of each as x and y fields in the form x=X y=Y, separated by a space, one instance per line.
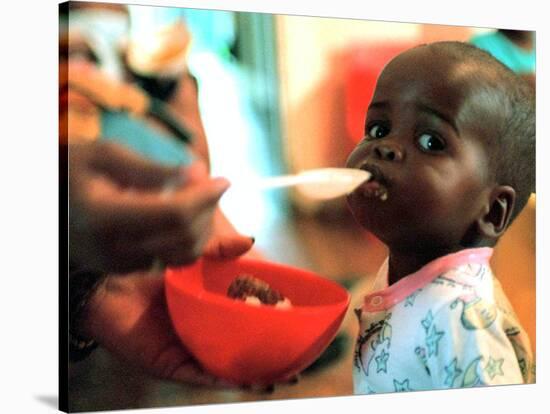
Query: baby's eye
x=377 y=131
x=430 y=142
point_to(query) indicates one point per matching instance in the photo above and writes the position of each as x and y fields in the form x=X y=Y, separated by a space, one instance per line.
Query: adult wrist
x=82 y=286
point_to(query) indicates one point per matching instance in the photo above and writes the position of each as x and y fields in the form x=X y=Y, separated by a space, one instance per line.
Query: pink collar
x=387 y=296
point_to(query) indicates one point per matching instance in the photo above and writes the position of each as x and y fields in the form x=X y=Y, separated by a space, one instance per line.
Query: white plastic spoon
x=320 y=183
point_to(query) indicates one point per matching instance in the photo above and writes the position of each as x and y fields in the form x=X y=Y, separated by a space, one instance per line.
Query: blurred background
x=277 y=94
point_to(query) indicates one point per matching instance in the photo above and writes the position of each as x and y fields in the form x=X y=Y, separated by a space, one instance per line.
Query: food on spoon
x=256 y=292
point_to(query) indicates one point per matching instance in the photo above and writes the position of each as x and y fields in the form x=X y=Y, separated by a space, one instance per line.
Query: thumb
x=202 y=194
x=228 y=246
x=130 y=169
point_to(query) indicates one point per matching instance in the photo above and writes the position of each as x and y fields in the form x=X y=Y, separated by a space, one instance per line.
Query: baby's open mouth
x=375 y=187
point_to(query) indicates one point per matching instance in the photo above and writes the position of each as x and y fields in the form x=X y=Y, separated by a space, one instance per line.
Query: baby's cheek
x=422 y=204
x=451 y=204
x=356 y=156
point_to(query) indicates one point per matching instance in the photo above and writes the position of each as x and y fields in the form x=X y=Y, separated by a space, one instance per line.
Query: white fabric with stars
x=458 y=330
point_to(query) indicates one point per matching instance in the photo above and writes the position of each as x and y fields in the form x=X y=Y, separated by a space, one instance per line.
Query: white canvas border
x=29 y=222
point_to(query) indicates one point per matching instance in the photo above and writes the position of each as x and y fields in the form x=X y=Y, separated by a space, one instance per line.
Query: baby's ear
x=499 y=211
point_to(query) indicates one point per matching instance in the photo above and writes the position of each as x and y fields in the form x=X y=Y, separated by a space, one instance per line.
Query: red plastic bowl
x=248 y=344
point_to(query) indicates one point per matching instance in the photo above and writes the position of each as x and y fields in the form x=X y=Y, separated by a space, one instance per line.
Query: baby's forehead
x=432 y=63
x=434 y=77
x=439 y=73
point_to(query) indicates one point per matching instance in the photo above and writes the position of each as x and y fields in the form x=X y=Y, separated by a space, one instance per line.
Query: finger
x=129 y=254
x=201 y=194
x=258 y=388
x=227 y=247
x=183 y=246
x=140 y=215
x=130 y=169
x=194 y=172
x=136 y=230
x=189 y=175
x=189 y=372
x=176 y=245
x=294 y=379
x=175 y=363
x=174 y=250
x=189 y=212
x=193 y=375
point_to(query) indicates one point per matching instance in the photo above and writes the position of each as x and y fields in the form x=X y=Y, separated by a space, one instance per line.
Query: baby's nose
x=388 y=152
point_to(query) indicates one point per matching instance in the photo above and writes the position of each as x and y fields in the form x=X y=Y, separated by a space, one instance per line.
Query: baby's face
x=423 y=145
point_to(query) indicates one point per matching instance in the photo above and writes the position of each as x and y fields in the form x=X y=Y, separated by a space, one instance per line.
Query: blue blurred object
x=518 y=59
x=212 y=30
x=137 y=135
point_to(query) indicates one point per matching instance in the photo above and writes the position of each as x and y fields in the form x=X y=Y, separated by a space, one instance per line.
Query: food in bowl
x=254 y=291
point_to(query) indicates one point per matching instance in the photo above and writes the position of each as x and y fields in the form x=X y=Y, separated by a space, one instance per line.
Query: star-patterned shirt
x=448 y=325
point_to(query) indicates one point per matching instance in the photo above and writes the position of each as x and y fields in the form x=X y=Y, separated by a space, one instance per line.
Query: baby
x=450 y=142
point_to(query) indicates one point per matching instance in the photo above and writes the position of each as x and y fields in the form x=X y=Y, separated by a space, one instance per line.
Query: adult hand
x=127 y=315
x=226 y=242
x=122 y=220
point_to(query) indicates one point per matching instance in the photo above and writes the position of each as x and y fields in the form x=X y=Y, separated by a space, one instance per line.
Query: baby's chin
x=360 y=210
x=373 y=211
x=368 y=198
